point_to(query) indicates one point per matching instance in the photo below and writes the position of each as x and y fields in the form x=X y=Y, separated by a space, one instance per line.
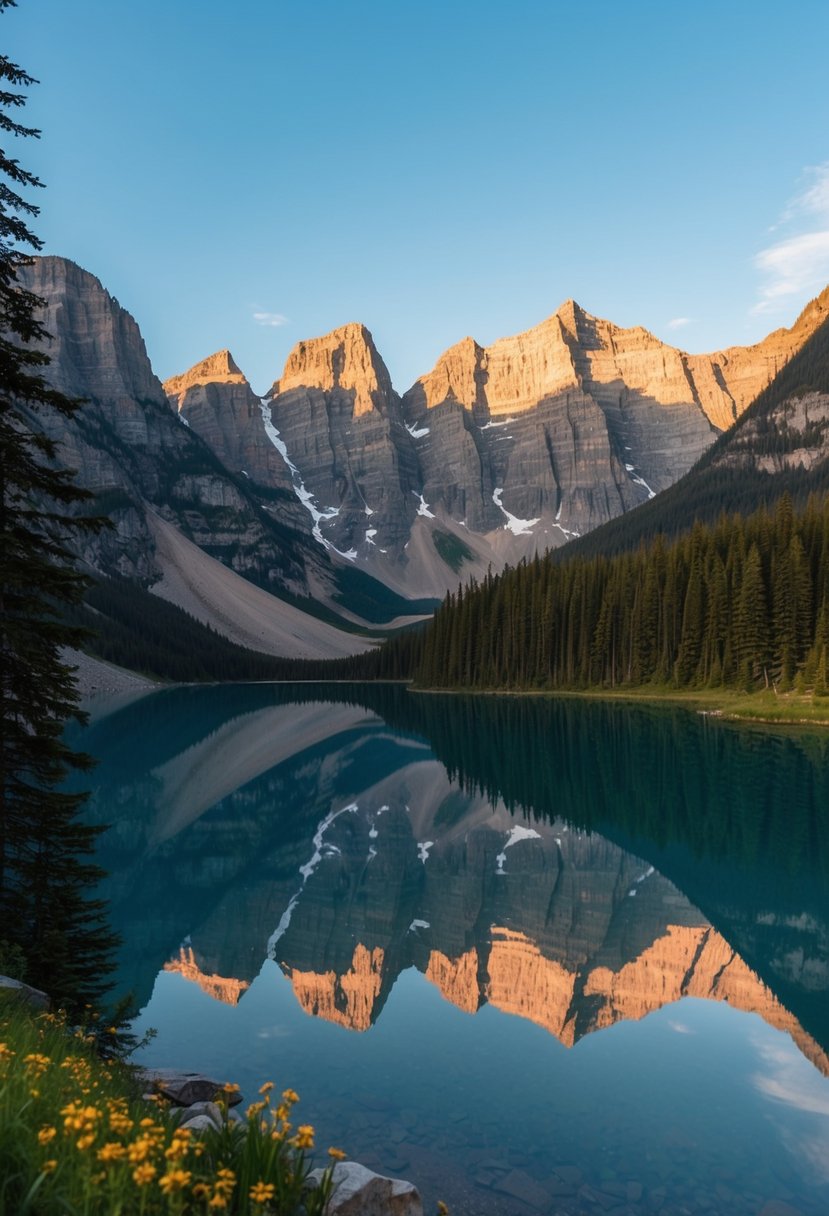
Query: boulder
x=32 y=996
x=358 y=1191
x=186 y=1088
x=200 y=1110
x=199 y=1123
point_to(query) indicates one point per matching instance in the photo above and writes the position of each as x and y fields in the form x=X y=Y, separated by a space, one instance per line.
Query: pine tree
x=45 y=872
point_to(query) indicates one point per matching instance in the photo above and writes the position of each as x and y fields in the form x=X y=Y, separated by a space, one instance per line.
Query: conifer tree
x=45 y=871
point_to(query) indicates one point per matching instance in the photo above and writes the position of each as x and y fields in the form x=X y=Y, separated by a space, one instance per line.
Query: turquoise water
x=537 y=956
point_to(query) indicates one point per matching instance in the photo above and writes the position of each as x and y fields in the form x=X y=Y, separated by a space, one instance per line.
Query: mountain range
x=350 y=502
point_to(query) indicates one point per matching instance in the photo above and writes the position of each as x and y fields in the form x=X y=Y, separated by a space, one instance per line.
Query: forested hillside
x=742 y=602
x=765 y=454
x=138 y=630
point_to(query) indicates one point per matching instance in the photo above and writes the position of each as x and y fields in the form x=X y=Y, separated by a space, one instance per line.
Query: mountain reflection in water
x=573 y=864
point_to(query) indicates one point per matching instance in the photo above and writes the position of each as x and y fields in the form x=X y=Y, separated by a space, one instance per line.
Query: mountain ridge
x=496 y=454
x=514 y=447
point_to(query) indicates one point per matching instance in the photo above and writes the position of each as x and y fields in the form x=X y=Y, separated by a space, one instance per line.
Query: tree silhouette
x=45 y=867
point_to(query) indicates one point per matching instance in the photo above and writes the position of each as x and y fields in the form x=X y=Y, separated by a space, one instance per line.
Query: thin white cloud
x=679 y=322
x=790 y=1082
x=681 y=1028
x=272 y=319
x=798 y=265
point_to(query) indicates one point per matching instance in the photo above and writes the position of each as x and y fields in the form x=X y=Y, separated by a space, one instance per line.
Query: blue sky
x=249 y=175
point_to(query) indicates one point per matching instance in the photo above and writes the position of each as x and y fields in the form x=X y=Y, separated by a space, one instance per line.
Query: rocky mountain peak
x=219 y=368
x=95 y=346
x=345 y=360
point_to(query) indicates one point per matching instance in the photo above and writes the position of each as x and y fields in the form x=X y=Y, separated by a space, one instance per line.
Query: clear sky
x=249 y=174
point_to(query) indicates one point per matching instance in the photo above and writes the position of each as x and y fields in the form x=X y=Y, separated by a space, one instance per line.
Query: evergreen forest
x=742 y=602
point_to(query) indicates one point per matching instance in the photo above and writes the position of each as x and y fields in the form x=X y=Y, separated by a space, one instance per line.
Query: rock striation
x=138 y=456
x=339 y=423
x=578 y=419
x=498 y=452
x=218 y=403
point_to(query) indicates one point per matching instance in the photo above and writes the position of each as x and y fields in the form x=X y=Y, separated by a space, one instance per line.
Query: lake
x=536 y=955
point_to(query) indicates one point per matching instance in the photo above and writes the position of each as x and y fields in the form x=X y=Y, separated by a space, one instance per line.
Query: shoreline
x=104 y=686
x=724 y=705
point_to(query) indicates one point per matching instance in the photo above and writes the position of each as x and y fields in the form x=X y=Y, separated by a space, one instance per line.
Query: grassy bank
x=766 y=706
x=782 y=708
x=76 y=1136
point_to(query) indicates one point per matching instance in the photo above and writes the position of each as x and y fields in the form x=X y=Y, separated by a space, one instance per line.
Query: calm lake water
x=538 y=956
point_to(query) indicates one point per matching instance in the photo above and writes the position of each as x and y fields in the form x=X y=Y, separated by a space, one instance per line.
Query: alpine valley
x=331 y=507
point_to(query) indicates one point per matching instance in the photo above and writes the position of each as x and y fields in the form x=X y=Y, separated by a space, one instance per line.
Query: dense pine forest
x=743 y=602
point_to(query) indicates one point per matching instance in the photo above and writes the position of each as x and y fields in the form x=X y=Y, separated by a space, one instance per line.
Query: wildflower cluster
x=74 y=1135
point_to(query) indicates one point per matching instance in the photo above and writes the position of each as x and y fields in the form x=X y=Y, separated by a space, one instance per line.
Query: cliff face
x=504 y=450
x=336 y=419
x=579 y=420
x=131 y=449
x=216 y=401
x=497 y=453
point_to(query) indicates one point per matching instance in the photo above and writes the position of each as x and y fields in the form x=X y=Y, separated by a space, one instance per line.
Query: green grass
x=76 y=1137
x=796 y=709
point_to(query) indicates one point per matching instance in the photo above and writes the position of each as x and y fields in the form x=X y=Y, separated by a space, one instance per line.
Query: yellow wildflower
x=442 y=1208
x=112 y=1151
x=175 y=1180
x=85 y=1141
x=304 y=1137
x=178 y=1147
x=140 y=1149
x=337 y=1154
x=290 y=1096
x=36 y=1062
x=46 y=1134
x=144 y=1174
x=201 y=1190
x=266 y=1088
x=230 y=1087
x=226 y=1182
x=218 y=1201
x=49 y=1166
x=261 y=1192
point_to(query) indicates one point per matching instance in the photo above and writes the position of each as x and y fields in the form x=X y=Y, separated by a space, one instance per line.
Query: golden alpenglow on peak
x=219 y=368
x=345 y=361
x=617 y=367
